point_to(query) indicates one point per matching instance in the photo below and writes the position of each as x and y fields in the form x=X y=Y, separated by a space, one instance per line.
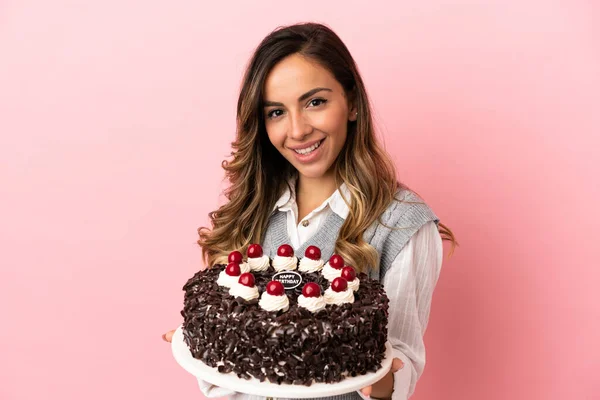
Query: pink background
x=115 y=116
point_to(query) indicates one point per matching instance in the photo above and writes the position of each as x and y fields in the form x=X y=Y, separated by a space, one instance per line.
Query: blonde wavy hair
x=258 y=173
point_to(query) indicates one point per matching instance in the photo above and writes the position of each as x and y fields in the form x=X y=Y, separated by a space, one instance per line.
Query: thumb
x=167 y=337
x=367 y=390
x=397 y=364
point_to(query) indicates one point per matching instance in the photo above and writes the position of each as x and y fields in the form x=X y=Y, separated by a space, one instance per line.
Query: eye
x=274 y=113
x=316 y=102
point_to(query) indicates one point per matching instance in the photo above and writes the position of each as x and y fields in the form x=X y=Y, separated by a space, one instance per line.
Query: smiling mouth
x=310 y=149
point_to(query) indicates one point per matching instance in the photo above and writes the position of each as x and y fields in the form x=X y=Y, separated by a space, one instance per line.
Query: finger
x=367 y=390
x=167 y=337
x=397 y=364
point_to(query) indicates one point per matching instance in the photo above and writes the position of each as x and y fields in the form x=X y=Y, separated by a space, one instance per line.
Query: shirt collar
x=335 y=201
x=288 y=197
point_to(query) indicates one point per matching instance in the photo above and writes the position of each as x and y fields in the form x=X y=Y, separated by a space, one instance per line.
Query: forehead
x=294 y=76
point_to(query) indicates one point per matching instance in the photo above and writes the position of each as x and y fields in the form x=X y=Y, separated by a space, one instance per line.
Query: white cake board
x=253 y=386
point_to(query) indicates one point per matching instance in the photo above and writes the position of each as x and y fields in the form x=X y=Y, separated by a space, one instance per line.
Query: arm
x=409 y=285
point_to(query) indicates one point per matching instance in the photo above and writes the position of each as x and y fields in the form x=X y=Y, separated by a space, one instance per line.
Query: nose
x=299 y=127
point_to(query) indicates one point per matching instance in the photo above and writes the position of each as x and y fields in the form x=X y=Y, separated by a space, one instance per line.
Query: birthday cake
x=286 y=320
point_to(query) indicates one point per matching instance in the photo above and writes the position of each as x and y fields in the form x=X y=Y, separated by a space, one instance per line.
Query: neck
x=311 y=192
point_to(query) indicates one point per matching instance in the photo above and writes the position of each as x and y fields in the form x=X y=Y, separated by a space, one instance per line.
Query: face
x=306 y=115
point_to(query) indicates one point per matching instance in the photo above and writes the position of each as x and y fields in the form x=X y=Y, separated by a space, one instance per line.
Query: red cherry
x=311 y=289
x=246 y=279
x=348 y=273
x=336 y=261
x=275 y=288
x=233 y=269
x=285 y=250
x=339 y=285
x=313 y=252
x=236 y=257
x=255 y=251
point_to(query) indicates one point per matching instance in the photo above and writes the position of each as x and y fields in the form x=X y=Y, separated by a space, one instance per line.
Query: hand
x=167 y=337
x=383 y=389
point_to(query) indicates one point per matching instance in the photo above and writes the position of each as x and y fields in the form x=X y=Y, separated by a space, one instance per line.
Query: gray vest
x=388 y=242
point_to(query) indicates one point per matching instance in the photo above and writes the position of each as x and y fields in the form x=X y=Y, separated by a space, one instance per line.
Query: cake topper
x=289 y=279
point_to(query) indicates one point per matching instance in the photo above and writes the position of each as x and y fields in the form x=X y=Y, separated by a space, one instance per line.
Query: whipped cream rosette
x=333 y=268
x=230 y=275
x=245 y=287
x=312 y=260
x=245 y=267
x=339 y=292
x=285 y=260
x=274 y=298
x=311 y=298
x=257 y=261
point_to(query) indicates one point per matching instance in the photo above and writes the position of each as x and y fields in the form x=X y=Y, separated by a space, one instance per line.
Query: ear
x=353 y=115
x=352 y=108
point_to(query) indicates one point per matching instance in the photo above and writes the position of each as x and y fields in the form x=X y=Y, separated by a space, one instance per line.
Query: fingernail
x=164 y=336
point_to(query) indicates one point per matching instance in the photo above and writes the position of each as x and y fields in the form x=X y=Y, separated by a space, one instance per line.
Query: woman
x=306 y=159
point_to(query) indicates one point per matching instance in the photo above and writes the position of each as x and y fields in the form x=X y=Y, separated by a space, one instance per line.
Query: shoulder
x=407 y=210
x=408 y=226
x=422 y=256
x=403 y=217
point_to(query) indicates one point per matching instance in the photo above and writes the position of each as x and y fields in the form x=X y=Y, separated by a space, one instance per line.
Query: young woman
x=306 y=159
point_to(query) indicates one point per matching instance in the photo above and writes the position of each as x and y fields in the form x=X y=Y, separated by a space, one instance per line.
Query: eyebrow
x=301 y=98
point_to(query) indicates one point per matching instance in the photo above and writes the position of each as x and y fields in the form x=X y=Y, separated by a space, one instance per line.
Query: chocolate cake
x=292 y=335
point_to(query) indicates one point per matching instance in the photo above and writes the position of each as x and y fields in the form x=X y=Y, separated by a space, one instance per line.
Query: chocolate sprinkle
x=293 y=347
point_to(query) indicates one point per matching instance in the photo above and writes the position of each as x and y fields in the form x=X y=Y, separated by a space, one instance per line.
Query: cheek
x=333 y=122
x=274 y=135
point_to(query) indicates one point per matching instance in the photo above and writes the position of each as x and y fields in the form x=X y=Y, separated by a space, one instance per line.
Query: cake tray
x=254 y=386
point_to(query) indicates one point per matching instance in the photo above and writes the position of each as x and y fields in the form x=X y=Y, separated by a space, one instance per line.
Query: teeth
x=309 y=149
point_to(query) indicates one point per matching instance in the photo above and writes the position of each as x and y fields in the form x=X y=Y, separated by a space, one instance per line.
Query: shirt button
x=305 y=223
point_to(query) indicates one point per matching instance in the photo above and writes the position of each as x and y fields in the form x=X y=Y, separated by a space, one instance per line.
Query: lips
x=307 y=152
x=307 y=145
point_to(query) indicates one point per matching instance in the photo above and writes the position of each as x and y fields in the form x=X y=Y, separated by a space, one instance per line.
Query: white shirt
x=409 y=285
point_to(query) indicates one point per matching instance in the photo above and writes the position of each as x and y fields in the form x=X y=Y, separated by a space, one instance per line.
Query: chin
x=312 y=173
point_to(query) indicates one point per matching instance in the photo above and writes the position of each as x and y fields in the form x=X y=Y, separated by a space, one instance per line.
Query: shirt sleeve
x=409 y=284
x=211 y=391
